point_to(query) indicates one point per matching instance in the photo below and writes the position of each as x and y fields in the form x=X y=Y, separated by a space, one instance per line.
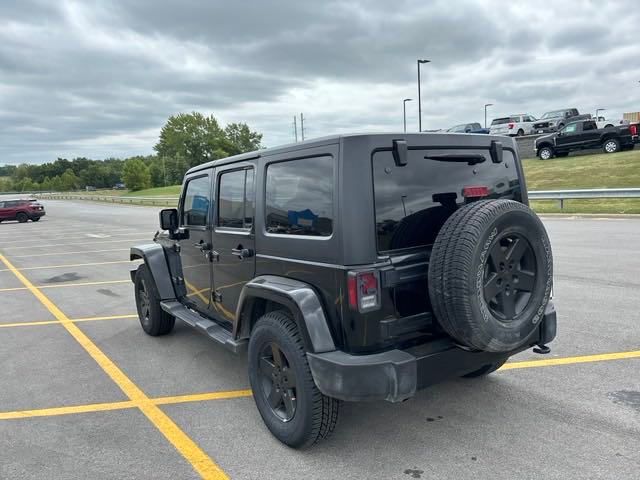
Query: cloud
x=100 y=78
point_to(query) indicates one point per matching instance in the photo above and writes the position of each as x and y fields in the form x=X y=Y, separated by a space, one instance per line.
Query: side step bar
x=204 y=325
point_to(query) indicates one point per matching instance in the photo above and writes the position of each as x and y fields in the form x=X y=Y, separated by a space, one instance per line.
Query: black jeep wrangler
x=354 y=267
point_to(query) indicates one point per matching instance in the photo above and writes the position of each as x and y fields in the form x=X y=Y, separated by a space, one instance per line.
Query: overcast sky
x=99 y=79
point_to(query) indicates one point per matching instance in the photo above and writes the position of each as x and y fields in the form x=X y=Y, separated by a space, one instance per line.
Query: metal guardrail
x=562 y=195
x=153 y=201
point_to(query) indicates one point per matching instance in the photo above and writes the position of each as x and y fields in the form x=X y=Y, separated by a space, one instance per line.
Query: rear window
x=500 y=121
x=413 y=202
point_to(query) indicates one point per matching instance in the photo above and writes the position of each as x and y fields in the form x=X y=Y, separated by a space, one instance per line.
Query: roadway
x=86 y=394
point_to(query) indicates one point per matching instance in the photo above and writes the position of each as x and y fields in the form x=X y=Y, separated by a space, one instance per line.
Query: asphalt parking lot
x=84 y=393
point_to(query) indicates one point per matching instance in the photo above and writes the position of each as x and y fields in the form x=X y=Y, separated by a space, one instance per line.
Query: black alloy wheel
x=510 y=275
x=278 y=382
x=144 y=304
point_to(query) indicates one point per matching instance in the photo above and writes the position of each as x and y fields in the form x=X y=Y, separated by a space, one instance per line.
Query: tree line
x=186 y=140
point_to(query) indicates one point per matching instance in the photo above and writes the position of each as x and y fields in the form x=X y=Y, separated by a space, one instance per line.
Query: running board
x=204 y=325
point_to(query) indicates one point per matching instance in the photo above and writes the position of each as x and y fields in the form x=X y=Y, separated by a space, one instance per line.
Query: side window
x=236 y=199
x=571 y=128
x=299 y=197
x=1 y=204
x=195 y=209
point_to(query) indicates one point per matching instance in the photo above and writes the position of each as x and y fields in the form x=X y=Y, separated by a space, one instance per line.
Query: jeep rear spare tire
x=490 y=275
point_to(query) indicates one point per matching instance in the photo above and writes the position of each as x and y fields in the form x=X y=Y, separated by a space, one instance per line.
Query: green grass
x=170 y=191
x=616 y=170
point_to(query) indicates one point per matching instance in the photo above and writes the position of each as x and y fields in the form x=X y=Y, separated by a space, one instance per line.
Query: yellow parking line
x=201 y=397
x=74 y=320
x=42 y=267
x=51 y=254
x=89 y=242
x=49 y=412
x=104 y=407
x=61 y=285
x=599 y=357
x=198 y=459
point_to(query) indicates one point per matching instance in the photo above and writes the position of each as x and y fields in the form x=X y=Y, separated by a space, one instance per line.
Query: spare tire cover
x=491 y=275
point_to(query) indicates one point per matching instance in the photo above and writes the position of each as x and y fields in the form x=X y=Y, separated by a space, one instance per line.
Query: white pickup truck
x=513 y=125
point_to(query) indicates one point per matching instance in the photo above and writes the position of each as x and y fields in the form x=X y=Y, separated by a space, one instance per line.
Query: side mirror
x=169 y=219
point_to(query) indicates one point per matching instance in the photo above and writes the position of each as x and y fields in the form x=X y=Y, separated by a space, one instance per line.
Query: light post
x=404 y=112
x=485 y=113
x=419 y=95
x=598 y=110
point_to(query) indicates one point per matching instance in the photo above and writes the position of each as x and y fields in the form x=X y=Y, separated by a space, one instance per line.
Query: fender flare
x=299 y=297
x=154 y=259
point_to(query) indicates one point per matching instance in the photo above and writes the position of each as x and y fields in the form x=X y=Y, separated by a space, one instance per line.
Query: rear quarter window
x=299 y=197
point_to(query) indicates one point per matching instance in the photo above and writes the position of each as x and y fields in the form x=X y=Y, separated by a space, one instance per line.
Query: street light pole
x=404 y=112
x=485 y=113
x=419 y=95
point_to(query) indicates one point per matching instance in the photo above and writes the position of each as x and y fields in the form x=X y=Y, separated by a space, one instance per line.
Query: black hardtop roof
x=429 y=138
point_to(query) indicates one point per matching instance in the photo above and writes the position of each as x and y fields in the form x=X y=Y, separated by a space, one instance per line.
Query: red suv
x=21 y=210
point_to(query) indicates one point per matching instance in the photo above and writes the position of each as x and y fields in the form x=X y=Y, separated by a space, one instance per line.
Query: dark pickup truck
x=584 y=135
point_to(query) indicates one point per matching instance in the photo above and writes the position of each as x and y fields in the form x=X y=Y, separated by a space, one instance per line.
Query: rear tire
x=520 y=133
x=611 y=145
x=291 y=406
x=490 y=275
x=153 y=319
x=22 y=217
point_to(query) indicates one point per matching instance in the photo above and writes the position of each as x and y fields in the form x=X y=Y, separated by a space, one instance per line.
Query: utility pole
x=302 y=126
x=295 y=127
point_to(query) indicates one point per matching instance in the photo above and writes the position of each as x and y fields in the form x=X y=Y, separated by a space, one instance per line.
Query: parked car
x=119 y=186
x=557 y=119
x=583 y=135
x=353 y=267
x=513 y=125
x=21 y=210
x=602 y=122
x=468 y=128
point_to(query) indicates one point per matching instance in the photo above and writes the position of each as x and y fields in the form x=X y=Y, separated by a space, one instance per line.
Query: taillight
x=364 y=291
x=634 y=130
x=511 y=126
x=475 y=192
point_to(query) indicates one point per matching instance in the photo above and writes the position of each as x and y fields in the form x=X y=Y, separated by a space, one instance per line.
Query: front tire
x=545 y=153
x=153 y=319
x=291 y=406
x=612 y=145
x=35 y=219
x=520 y=133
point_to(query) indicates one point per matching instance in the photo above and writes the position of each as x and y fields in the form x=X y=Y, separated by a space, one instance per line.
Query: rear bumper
x=396 y=375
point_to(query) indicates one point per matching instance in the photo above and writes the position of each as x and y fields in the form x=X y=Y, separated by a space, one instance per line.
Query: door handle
x=242 y=252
